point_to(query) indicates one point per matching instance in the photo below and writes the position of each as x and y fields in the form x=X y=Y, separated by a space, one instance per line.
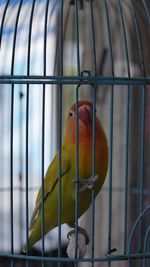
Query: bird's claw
x=81 y=231
x=87 y=183
x=77 y=250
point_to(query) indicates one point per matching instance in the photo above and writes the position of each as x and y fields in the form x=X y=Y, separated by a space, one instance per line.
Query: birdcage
x=52 y=54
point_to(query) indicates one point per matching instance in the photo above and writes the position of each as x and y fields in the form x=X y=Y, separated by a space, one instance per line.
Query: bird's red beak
x=85 y=114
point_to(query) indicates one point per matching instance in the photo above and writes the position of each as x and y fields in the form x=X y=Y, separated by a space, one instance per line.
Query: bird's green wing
x=51 y=179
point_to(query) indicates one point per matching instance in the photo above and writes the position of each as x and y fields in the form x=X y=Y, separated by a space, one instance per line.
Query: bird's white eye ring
x=71 y=113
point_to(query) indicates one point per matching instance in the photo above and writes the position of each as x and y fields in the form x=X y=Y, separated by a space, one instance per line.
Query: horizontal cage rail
x=98 y=80
x=62 y=259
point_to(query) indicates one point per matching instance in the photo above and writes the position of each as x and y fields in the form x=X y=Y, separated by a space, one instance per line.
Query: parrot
x=86 y=182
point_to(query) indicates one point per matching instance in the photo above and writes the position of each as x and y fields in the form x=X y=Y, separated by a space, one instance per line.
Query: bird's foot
x=87 y=183
x=77 y=250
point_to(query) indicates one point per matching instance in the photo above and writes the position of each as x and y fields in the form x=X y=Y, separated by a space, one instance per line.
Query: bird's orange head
x=85 y=123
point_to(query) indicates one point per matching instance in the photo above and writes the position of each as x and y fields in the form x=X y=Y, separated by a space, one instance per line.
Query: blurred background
x=122 y=38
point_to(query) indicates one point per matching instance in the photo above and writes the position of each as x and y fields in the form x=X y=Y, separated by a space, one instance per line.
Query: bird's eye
x=71 y=114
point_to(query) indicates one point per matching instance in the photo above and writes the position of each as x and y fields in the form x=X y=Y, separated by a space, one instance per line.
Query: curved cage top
x=107 y=38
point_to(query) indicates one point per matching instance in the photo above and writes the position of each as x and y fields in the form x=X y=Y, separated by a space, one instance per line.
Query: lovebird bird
x=68 y=173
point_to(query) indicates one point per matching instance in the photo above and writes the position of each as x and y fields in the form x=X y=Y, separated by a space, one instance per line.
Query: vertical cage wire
x=12 y=131
x=146 y=10
x=27 y=127
x=92 y=29
x=127 y=128
x=43 y=122
x=77 y=125
x=2 y=21
x=111 y=105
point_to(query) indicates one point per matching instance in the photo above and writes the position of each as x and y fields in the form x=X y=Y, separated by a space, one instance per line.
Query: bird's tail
x=28 y=246
x=24 y=249
x=33 y=238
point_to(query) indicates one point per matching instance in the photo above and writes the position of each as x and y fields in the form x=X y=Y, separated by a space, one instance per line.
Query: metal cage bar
x=77 y=126
x=12 y=123
x=27 y=127
x=93 y=126
x=127 y=127
x=60 y=129
x=111 y=104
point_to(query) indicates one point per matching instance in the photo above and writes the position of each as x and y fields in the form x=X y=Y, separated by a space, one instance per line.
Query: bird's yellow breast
x=84 y=169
